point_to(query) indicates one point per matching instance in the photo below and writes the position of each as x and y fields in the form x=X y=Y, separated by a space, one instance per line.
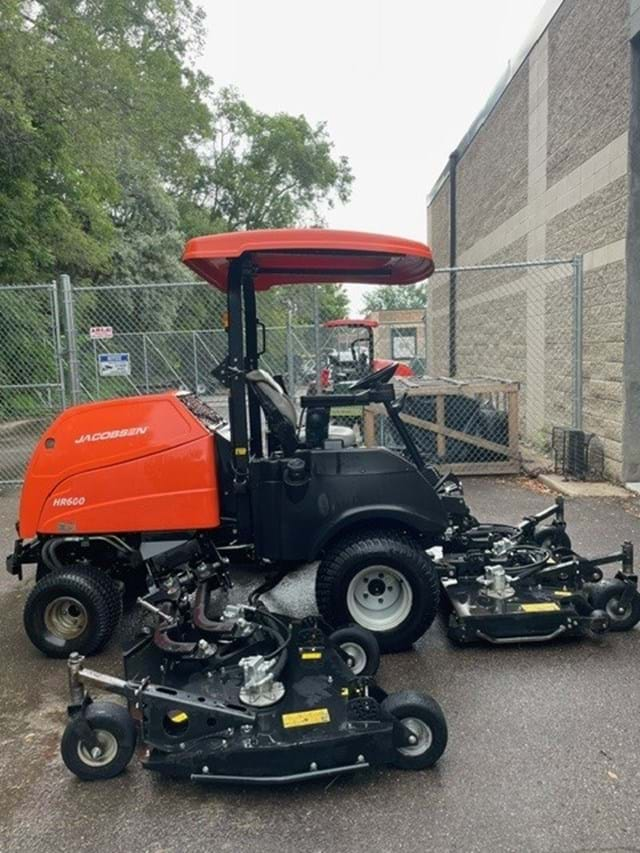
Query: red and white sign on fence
x=97 y=333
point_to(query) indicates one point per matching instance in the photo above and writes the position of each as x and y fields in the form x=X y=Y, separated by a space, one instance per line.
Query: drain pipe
x=453 y=257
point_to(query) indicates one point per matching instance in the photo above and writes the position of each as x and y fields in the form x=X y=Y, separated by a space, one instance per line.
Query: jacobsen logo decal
x=114 y=433
x=69 y=501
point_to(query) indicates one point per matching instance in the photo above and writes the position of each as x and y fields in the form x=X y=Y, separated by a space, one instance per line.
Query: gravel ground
x=544 y=753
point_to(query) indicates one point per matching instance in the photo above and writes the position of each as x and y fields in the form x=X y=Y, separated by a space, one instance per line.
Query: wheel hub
x=420 y=737
x=65 y=617
x=615 y=610
x=379 y=598
x=103 y=753
x=357 y=656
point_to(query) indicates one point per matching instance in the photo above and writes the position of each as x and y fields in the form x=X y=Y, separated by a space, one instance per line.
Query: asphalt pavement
x=543 y=755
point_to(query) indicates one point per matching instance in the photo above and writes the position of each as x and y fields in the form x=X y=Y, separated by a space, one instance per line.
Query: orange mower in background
x=354 y=354
x=130 y=495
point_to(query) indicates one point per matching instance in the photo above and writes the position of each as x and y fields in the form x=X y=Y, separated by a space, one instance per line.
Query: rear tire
x=383 y=582
x=75 y=610
x=424 y=718
x=116 y=734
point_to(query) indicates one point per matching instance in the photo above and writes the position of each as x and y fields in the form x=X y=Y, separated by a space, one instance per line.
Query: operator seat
x=282 y=417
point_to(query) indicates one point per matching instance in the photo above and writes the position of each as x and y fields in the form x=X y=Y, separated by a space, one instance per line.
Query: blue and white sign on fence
x=114 y=364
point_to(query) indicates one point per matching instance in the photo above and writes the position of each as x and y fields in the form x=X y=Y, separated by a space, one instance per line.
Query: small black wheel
x=425 y=720
x=606 y=596
x=359 y=647
x=75 y=610
x=115 y=733
x=384 y=582
x=552 y=538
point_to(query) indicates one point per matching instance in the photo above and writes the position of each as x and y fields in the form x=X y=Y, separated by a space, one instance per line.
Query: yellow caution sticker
x=178 y=716
x=306 y=718
x=542 y=607
x=562 y=592
x=310 y=655
x=241 y=451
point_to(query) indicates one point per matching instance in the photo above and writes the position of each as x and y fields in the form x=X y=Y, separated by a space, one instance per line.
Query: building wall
x=546 y=176
x=400 y=319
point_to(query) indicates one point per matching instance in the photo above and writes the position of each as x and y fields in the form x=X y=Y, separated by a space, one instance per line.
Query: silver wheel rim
x=66 y=617
x=422 y=733
x=104 y=753
x=379 y=598
x=357 y=655
x=613 y=613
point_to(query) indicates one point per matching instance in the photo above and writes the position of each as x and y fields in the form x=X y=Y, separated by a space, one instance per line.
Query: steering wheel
x=378 y=377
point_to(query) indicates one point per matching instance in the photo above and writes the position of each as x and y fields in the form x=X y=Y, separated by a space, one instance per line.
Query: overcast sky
x=397 y=81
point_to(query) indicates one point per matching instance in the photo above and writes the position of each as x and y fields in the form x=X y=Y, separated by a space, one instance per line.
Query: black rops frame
x=246 y=436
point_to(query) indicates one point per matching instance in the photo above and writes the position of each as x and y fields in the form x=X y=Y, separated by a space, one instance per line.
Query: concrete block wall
x=546 y=176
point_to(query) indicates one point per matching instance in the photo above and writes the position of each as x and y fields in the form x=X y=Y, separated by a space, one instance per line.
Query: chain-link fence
x=494 y=356
x=503 y=366
x=32 y=389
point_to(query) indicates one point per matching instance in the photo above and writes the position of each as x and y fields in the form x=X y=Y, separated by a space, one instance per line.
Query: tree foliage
x=385 y=298
x=114 y=149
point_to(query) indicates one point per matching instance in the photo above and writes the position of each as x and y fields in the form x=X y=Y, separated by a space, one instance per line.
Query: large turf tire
x=424 y=717
x=606 y=595
x=397 y=558
x=116 y=733
x=74 y=610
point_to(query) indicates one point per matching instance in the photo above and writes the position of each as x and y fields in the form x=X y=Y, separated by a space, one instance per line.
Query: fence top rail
x=50 y=285
x=550 y=262
x=139 y=285
x=30 y=385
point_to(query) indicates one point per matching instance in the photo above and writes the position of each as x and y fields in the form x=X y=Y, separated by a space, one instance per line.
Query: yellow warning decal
x=241 y=451
x=306 y=718
x=178 y=716
x=562 y=592
x=311 y=655
x=543 y=607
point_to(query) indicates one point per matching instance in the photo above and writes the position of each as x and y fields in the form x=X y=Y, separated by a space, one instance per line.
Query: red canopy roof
x=355 y=324
x=310 y=255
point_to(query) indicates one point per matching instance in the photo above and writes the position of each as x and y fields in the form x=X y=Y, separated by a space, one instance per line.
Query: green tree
x=87 y=86
x=386 y=298
x=264 y=171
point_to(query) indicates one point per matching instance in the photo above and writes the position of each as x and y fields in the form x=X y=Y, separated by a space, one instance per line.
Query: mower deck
x=251 y=697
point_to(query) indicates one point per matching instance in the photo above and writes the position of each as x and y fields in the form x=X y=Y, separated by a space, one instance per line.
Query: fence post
x=196 y=378
x=290 y=369
x=578 y=303
x=425 y=372
x=316 y=327
x=58 y=342
x=145 y=362
x=71 y=338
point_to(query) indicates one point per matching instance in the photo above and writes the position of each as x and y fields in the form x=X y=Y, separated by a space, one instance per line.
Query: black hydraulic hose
x=519 y=575
x=49 y=557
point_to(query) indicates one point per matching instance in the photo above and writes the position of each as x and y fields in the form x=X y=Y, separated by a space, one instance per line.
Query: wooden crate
x=501 y=395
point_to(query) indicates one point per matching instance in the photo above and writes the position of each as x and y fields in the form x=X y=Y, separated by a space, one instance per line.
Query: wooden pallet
x=502 y=394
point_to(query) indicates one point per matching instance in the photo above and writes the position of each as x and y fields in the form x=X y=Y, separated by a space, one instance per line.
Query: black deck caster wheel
x=606 y=596
x=359 y=648
x=384 y=582
x=552 y=538
x=74 y=610
x=114 y=742
x=423 y=718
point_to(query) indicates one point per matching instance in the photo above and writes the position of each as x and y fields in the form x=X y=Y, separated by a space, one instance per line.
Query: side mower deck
x=257 y=698
x=525 y=584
